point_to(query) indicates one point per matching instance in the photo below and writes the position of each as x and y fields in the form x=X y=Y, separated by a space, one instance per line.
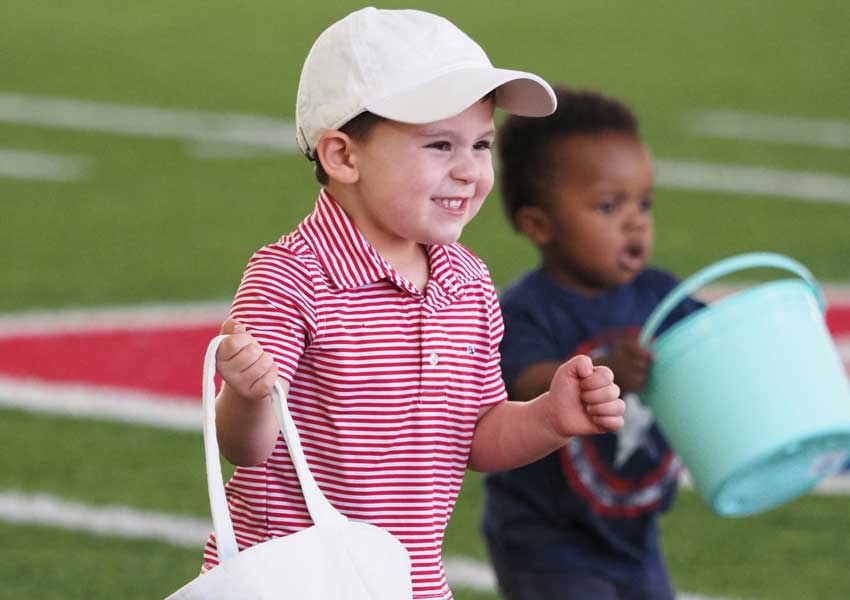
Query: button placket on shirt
x=435 y=343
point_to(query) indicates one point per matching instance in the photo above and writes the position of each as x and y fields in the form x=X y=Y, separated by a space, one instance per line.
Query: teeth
x=449 y=202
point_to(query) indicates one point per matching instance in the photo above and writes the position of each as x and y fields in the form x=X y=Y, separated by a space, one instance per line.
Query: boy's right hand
x=243 y=364
x=630 y=362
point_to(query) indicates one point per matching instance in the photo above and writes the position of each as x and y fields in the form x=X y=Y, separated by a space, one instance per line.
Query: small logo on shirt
x=470 y=349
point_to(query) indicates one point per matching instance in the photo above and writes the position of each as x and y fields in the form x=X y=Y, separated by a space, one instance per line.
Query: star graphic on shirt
x=633 y=435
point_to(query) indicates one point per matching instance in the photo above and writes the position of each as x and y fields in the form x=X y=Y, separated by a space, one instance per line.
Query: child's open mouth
x=454 y=205
x=633 y=257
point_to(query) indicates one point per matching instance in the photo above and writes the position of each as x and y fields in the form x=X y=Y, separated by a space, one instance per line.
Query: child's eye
x=646 y=204
x=484 y=145
x=445 y=146
x=606 y=207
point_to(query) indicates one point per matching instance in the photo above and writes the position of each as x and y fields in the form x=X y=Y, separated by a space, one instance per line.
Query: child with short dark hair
x=383 y=330
x=581 y=522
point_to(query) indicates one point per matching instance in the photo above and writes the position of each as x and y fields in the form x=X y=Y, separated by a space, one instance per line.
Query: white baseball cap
x=405 y=65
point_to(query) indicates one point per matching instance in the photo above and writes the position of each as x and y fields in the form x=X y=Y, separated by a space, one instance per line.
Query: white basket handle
x=321 y=511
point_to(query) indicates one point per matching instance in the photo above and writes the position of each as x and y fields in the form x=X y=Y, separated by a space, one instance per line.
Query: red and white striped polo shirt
x=385 y=384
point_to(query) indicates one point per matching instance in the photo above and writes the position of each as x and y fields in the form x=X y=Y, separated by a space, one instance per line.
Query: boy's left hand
x=585 y=398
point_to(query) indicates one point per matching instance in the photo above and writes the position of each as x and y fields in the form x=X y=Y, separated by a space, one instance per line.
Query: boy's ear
x=535 y=224
x=334 y=150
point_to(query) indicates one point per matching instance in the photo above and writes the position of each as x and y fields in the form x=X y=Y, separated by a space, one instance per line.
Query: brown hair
x=358 y=129
x=525 y=143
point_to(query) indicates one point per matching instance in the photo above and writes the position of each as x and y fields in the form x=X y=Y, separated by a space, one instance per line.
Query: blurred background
x=146 y=150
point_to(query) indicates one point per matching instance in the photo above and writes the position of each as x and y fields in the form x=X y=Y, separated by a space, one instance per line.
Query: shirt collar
x=351 y=261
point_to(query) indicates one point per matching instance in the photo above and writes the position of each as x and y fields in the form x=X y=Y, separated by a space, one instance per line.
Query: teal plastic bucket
x=750 y=391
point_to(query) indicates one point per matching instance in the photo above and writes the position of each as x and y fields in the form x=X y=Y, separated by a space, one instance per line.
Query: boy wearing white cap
x=382 y=328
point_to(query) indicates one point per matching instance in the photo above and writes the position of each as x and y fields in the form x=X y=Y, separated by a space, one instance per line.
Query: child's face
x=423 y=183
x=601 y=224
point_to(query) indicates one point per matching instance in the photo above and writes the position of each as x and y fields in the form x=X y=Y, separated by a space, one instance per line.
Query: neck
x=414 y=267
x=407 y=257
x=573 y=281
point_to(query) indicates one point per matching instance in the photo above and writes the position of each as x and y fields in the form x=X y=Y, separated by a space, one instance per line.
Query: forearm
x=246 y=429
x=513 y=434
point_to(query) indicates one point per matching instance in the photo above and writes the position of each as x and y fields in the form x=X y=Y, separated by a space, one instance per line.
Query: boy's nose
x=466 y=169
x=638 y=219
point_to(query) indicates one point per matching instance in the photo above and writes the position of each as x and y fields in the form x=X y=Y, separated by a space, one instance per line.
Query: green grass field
x=171 y=219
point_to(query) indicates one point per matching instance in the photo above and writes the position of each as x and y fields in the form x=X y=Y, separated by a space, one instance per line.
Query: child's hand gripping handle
x=320 y=509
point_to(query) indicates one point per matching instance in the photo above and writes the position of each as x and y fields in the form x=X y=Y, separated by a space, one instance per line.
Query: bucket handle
x=320 y=509
x=719 y=269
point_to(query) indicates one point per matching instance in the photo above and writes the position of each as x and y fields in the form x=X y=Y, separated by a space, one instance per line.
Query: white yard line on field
x=101 y=403
x=176 y=413
x=838 y=485
x=188 y=314
x=181 y=413
x=25 y=164
x=117 y=521
x=842 y=343
x=185 y=531
x=834 y=294
x=146 y=121
x=736 y=179
x=212 y=133
x=834 y=486
x=739 y=125
x=109 y=318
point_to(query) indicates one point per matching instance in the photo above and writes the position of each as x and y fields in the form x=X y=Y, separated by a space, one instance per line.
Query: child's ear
x=535 y=224
x=334 y=150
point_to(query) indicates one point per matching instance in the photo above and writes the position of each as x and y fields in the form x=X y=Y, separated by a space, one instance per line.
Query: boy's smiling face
x=421 y=184
x=599 y=211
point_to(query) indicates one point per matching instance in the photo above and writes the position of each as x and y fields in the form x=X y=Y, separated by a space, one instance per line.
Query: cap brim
x=447 y=95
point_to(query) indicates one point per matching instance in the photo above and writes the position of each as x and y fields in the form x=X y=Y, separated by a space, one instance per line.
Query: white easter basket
x=335 y=559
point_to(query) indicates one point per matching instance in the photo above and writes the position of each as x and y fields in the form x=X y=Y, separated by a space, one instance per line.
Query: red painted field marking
x=162 y=361
x=167 y=359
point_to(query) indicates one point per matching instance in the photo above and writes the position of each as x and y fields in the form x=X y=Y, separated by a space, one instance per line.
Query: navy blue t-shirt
x=593 y=504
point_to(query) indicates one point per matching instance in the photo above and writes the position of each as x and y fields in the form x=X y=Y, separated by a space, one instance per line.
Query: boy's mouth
x=451 y=204
x=633 y=257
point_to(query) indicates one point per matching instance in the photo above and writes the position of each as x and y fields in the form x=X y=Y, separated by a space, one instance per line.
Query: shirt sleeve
x=493 y=390
x=528 y=340
x=276 y=303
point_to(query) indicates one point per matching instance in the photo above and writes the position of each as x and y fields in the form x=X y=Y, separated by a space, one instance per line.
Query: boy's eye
x=606 y=207
x=440 y=145
x=484 y=145
x=646 y=204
